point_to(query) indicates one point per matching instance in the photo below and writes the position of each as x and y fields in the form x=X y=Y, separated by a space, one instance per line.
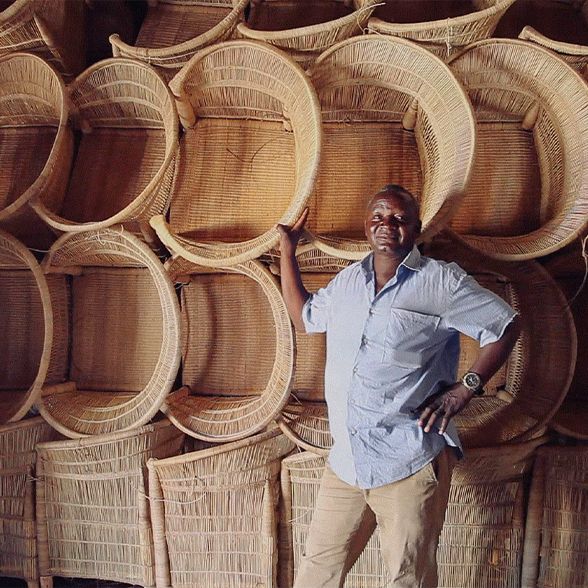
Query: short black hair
x=400 y=191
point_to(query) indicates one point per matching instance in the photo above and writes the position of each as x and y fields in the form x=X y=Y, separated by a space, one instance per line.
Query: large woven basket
x=251 y=149
x=442 y=27
x=26 y=324
x=573 y=54
x=18 y=546
x=35 y=145
x=481 y=543
x=52 y=29
x=214 y=515
x=125 y=112
x=92 y=505
x=527 y=391
x=529 y=196
x=391 y=93
x=238 y=351
x=173 y=31
x=123 y=336
x=556 y=548
x=306 y=43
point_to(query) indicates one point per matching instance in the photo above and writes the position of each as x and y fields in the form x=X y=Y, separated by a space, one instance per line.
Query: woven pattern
x=122 y=106
x=173 y=32
x=238 y=352
x=92 y=508
x=35 y=144
x=18 y=548
x=444 y=36
x=522 y=85
x=257 y=85
x=423 y=125
x=305 y=43
x=555 y=539
x=125 y=336
x=214 y=514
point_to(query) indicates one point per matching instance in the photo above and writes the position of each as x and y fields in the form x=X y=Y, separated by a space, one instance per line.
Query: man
x=392 y=323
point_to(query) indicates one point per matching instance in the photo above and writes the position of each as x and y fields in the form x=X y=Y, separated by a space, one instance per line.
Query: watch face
x=472 y=380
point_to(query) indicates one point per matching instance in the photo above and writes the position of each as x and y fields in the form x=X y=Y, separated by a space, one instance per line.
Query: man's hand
x=289 y=236
x=443 y=405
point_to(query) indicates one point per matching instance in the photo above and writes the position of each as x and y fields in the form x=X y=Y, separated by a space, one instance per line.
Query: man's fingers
x=299 y=224
x=444 y=423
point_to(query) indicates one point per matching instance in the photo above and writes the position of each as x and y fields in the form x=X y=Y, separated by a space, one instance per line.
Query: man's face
x=392 y=224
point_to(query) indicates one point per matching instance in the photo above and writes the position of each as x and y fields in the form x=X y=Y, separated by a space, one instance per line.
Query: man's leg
x=338 y=516
x=410 y=516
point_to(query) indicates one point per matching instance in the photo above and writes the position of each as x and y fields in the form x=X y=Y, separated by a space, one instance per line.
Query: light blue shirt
x=388 y=352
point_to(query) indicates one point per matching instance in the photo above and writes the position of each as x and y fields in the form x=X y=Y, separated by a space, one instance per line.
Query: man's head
x=392 y=221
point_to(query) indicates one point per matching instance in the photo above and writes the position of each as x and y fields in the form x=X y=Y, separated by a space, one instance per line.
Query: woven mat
x=424 y=10
x=281 y=15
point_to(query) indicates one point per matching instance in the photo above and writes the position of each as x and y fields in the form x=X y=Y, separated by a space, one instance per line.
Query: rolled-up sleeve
x=316 y=310
x=477 y=312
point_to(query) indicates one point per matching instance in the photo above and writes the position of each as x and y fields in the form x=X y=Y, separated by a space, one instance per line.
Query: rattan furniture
x=26 y=324
x=555 y=535
x=528 y=194
x=444 y=34
x=52 y=29
x=251 y=148
x=306 y=43
x=92 y=505
x=123 y=335
x=18 y=544
x=174 y=30
x=124 y=111
x=214 y=514
x=35 y=145
x=392 y=94
x=237 y=348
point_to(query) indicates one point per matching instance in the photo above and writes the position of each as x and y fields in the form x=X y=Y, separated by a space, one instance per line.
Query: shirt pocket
x=410 y=338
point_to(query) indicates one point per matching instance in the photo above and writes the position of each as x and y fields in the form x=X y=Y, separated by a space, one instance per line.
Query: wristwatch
x=472 y=381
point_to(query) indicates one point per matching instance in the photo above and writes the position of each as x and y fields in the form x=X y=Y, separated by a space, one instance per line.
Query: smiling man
x=392 y=323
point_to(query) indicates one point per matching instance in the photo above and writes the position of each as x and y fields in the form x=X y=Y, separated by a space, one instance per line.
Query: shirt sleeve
x=316 y=310
x=477 y=312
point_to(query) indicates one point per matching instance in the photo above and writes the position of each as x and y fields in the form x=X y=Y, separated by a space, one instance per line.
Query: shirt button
x=364 y=340
x=353 y=432
x=355 y=370
x=371 y=311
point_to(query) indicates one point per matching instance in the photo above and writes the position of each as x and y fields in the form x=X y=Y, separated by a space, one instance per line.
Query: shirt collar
x=412 y=261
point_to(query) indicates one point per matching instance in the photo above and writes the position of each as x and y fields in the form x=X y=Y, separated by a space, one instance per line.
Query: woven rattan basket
x=306 y=43
x=527 y=391
x=529 y=191
x=123 y=336
x=251 y=149
x=214 y=515
x=238 y=351
x=442 y=27
x=26 y=324
x=482 y=539
x=574 y=55
x=126 y=113
x=92 y=505
x=18 y=547
x=173 y=31
x=393 y=94
x=555 y=535
x=35 y=145
x=52 y=29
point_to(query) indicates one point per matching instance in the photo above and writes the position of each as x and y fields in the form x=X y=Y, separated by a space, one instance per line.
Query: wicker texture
x=92 y=507
x=238 y=352
x=251 y=148
x=525 y=394
x=214 y=514
x=173 y=32
x=306 y=43
x=35 y=145
x=52 y=29
x=391 y=93
x=18 y=547
x=526 y=100
x=124 y=338
x=123 y=108
x=26 y=324
x=446 y=36
x=555 y=536
x=481 y=543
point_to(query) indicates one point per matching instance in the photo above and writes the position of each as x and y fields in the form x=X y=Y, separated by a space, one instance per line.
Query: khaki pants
x=409 y=514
